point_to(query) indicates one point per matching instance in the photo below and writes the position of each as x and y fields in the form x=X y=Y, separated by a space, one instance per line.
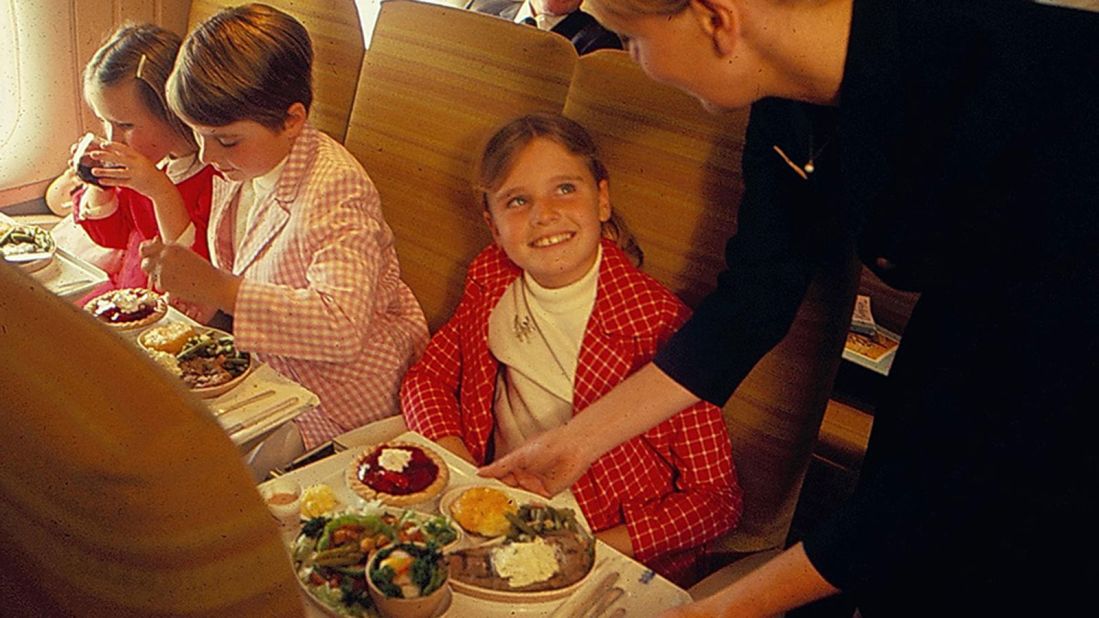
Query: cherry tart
x=128 y=308
x=398 y=474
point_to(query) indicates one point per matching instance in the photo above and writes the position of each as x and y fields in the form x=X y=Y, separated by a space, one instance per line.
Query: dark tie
x=530 y=21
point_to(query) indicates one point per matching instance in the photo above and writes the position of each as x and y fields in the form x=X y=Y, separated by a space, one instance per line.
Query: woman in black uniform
x=955 y=144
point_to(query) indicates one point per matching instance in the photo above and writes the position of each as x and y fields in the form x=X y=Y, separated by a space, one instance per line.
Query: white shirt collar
x=265 y=184
x=544 y=21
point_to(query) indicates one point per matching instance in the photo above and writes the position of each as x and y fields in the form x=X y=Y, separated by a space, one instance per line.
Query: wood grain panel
x=333 y=26
x=434 y=84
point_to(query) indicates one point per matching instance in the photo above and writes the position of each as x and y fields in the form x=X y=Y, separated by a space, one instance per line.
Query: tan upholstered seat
x=119 y=494
x=434 y=84
x=334 y=28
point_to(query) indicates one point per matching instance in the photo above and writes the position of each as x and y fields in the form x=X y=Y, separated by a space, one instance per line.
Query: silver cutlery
x=57 y=289
x=605 y=602
x=591 y=597
x=243 y=402
x=274 y=410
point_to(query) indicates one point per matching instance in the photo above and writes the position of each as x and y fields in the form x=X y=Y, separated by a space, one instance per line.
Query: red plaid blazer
x=674 y=486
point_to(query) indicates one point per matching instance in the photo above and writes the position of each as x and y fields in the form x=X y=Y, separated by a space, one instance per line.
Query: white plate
x=376 y=510
x=520 y=498
x=209 y=392
x=45 y=247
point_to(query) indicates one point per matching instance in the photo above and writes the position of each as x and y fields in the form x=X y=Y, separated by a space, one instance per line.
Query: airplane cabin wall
x=55 y=38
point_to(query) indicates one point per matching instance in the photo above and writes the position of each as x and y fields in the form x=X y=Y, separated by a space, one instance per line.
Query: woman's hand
x=547 y=465
x=182 y=272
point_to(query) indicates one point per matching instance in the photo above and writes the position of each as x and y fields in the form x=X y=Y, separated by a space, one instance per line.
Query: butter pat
x=523 y=564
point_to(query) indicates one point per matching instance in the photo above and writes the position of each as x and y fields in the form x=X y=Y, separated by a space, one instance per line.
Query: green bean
x=520 y=524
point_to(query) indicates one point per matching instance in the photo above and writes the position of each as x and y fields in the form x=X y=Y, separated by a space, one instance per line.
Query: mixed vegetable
x=408 y=571
x=331 y=552
x=210 y=359
x=22 y=239
x=535 y=520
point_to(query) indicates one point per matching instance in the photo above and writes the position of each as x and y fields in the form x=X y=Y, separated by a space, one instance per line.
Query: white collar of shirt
x=263 y=185
x=182 y=168
x=567 y=299
x=544 y=21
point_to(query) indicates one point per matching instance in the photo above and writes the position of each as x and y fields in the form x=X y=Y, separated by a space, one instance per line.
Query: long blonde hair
x=501 y=150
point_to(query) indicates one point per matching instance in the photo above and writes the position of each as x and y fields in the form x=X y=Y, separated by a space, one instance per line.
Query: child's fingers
x=151 y=248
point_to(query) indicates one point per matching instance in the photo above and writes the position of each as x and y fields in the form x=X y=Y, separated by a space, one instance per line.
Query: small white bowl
x=418 y=607
x=283 y=499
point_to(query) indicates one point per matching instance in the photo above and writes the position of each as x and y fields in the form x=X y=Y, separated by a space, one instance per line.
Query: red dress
x=134 y=222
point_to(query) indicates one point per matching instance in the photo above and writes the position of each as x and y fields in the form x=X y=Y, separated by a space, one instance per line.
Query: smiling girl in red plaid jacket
x=553 y=316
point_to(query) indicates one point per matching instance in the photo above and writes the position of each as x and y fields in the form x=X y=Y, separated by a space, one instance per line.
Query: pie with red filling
x=398 y=473
x=127 y=308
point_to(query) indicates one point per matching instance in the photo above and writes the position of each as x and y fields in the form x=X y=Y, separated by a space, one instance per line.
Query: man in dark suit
x=561 y=16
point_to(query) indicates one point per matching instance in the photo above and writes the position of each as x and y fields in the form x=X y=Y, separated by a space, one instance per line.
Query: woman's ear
x=721 y=21
x=604 y=201
x=296 y=115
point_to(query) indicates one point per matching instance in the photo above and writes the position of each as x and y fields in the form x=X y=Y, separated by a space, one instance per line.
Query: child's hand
x=199 y=313
x=183 y=273
x=122 y=166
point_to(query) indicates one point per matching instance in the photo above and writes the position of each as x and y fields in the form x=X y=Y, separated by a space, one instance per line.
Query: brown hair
x=144 y=53
x=499 y=154
x=249 y=62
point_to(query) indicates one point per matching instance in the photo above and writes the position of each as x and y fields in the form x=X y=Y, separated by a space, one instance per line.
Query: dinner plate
x=520 y=497
x=209 y=392
x=444 y=607
x=507 y=596
x=332 y=603
x=34 y=258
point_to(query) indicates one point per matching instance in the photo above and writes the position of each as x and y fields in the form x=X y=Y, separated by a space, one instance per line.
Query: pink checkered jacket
x=674 y=486
x=322 y=300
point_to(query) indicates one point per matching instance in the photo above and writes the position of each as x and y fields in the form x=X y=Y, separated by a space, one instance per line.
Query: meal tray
x=645 y=593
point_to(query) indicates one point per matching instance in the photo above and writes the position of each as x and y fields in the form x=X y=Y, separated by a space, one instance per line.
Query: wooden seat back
x=434 y=84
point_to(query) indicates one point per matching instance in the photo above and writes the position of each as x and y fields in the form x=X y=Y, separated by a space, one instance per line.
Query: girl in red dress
x=147 y=179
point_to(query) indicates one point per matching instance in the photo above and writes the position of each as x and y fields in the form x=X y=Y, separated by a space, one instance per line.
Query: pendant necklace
x=524 y=326
x=803 y=170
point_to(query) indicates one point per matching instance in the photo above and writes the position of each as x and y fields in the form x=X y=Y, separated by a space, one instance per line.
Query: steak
x=575 y=556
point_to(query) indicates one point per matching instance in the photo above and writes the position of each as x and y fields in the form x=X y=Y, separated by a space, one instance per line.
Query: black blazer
x=962 y=163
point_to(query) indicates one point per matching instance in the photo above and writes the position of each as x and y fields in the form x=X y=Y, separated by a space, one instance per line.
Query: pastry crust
x=366 y=492
x=160 y=309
